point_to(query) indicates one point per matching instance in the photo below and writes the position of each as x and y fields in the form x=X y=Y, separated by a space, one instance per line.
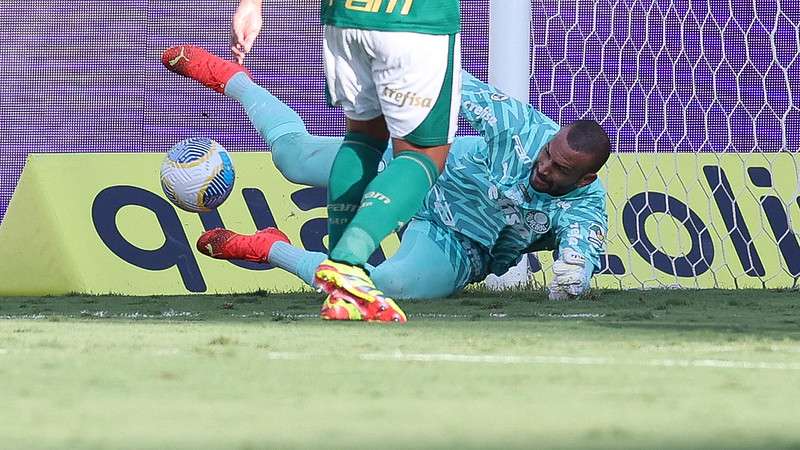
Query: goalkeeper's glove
x=569 y=276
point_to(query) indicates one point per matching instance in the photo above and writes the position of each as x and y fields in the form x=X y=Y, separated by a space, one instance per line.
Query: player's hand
x=568 y=277
x=246 y=26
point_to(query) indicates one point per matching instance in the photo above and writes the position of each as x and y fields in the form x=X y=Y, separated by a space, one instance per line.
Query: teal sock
x=297 y=261
x=270 y=116
x=355 y=165
x=301 y=263
x=390 y=200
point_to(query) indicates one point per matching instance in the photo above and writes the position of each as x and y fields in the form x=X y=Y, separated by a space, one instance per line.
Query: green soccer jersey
x=416 y=16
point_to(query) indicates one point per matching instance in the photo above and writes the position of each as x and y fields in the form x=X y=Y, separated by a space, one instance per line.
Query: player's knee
x=374 y=128
x=287 y=157
x=393 y=287
x=437 y=155
x=398 y=286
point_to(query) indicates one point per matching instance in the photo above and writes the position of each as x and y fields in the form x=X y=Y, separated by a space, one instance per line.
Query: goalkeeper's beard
x=546 y=186
x=538 y=182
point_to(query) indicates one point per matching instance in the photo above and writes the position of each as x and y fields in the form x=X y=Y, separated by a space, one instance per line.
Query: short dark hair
x=587 y=136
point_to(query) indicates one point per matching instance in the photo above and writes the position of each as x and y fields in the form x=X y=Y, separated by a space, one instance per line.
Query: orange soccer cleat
x=225 y=244
x=353 y=296
x=339 y=306
x=198 y=64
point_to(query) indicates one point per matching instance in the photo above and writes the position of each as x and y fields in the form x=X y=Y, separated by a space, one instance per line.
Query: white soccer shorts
x=413 y=79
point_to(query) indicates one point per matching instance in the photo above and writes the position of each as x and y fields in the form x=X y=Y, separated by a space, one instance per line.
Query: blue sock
x=270 y=116
x=296 y=260
x=299 y=262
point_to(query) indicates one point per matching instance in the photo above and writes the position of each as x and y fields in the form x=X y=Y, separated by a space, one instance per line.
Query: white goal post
x=510 y=70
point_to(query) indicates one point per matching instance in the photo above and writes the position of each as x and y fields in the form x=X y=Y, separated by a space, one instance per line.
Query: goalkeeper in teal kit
x=525 y=184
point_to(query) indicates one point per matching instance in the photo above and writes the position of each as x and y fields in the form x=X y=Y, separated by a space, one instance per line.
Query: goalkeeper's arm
x=483 y=106
x=581 y=242
x=491 y=112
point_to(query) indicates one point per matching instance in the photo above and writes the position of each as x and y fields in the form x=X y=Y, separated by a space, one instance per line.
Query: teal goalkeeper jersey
x=416 y=16
x=484 y=193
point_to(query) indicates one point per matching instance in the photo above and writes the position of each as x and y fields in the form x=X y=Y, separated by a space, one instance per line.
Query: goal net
x=702 y=99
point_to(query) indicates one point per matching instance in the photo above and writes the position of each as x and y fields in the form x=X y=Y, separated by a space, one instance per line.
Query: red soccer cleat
x=220 y=243
x=198 y=64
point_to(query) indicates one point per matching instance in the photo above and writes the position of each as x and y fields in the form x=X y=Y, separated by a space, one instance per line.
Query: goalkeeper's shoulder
x=491 y=102
x=592 y=196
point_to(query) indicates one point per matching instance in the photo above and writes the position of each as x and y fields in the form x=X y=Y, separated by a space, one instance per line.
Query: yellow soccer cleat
x=351 y=284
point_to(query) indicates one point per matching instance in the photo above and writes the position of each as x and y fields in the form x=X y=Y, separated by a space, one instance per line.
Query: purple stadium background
x=85 y=76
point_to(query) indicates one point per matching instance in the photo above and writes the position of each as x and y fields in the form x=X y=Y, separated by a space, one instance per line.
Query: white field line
x=101 y=314
x=542 y=360
x=529 y=360
x=493 y=315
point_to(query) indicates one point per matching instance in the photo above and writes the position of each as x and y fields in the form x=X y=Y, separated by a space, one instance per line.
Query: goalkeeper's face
x=560 y=169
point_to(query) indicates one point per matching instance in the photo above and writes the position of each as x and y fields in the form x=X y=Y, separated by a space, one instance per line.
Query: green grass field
x=658 y=369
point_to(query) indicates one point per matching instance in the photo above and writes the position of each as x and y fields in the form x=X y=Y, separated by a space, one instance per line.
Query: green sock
x=355 y=165
x=392 y=198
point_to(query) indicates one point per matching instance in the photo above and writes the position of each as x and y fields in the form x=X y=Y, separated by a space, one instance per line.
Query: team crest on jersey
x=538 y=221
x=597 y=236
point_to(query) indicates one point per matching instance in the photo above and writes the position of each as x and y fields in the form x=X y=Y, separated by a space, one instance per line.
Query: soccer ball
x=197 y=174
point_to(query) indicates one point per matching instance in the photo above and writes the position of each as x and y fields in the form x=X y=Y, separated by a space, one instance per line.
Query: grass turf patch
x=650 y=369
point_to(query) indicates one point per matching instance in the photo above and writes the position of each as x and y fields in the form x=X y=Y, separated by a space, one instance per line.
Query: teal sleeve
x=506 y=251
x=582 y=228
x=489 y=111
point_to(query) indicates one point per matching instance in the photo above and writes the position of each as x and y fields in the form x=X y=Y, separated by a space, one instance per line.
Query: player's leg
x=299 y=156
x=267 y=245
x=430 y=263
x=355 y=165
x=302 y=158
x=349 y=85
x=419 y=96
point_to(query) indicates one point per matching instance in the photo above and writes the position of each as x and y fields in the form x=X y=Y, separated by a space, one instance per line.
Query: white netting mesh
x=702 y=99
